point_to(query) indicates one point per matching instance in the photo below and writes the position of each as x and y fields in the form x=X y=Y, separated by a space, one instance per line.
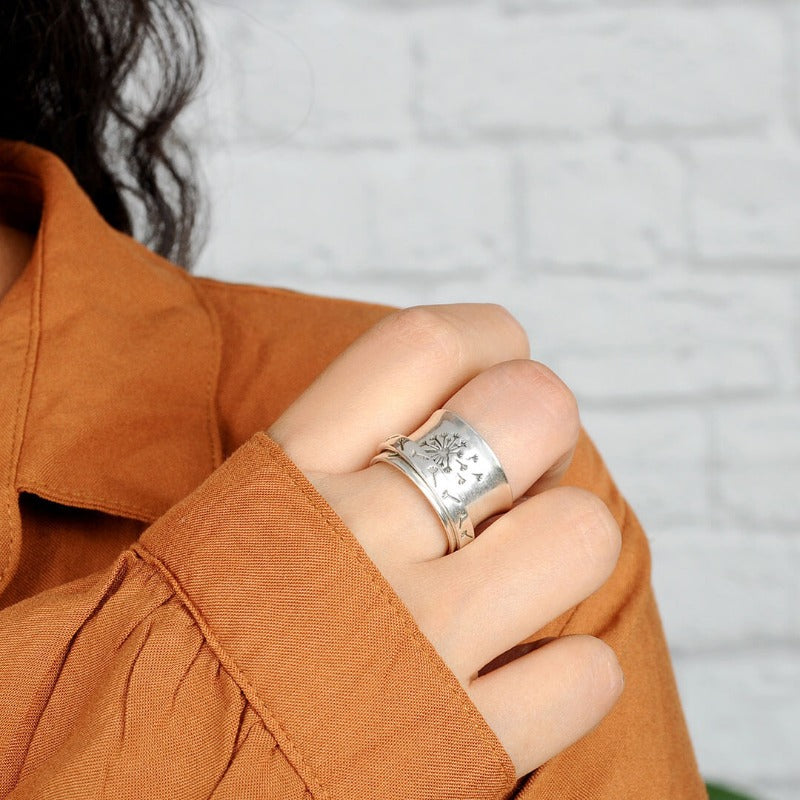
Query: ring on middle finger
x=456 y=470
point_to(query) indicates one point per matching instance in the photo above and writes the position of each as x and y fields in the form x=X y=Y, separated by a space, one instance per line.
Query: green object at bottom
x=717 y=792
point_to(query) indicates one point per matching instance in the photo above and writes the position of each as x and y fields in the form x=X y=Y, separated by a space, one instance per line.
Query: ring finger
x=548 y=554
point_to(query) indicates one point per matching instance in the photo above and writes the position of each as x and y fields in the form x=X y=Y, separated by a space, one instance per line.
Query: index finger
x=391 y=379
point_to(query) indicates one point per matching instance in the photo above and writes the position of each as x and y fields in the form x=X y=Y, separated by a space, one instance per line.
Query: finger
x=528 y=417
x=391 y=379
x=534 y=563
x=549 y=698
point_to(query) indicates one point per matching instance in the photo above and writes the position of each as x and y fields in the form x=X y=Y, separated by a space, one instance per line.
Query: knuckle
x=557 y=398
x=605 y=673
x=554 y=397
x=518 y=334
x=427 y=331
x=595 y=529
x=421 y=590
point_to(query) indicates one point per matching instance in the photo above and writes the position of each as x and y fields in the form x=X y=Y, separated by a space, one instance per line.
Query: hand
x=528 y=565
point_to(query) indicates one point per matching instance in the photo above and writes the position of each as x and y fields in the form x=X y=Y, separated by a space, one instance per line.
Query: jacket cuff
x=356 y=696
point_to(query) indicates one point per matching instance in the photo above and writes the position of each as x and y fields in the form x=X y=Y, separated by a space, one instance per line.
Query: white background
x=625 y=178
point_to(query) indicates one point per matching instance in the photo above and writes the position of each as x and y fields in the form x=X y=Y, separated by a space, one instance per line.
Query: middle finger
x=528 y=417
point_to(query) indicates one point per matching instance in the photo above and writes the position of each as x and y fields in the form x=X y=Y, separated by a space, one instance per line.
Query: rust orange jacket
x=183 y=615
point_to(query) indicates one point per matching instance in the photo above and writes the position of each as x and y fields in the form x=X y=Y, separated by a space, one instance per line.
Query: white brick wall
x=624 y=175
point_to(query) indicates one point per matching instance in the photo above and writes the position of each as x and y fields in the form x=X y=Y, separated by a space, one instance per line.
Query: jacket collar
x=116 y=396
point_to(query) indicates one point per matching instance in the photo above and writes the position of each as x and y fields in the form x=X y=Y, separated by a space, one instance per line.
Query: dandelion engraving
x=444 y=449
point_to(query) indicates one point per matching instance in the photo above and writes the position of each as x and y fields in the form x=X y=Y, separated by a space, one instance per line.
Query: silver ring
x=454 y=467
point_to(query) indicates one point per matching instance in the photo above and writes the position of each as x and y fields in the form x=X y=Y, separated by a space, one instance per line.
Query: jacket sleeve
x=244 y=646
x=642 y=748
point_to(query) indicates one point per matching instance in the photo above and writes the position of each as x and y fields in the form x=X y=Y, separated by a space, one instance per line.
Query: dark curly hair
x=100 y=83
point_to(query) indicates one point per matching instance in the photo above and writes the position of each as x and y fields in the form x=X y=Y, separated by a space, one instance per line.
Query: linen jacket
x=183 y=615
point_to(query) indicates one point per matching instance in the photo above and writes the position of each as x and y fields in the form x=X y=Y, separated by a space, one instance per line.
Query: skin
x=556 y=545
x=15 y=250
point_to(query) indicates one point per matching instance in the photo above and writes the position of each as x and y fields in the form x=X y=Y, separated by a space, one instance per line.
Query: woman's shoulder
x=281 y=308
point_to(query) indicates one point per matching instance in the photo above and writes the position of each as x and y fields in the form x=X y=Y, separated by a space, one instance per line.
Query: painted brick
x=438 y=212
x=567 y=313
x=642 y=447
x=319 y=213
x=480 y=73
x=261 y=78
x=698 y=68
x=659 y=68
x=742 y=703
x=669 y=372
x=720 y=588
x=599 y=207
x=268 y=216
x=360 y=71
x=757 y=452
x=305 y=77
x=792 y=32
x=744 y=204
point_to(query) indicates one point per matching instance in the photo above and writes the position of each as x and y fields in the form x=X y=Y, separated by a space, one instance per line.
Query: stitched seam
x=150 y=258
x=224 y=287
x=450 y=681
x=212 y=373
x=235 y=671
x=27 y=375
x=121 y=565
x=253 y=288
x=245 y=288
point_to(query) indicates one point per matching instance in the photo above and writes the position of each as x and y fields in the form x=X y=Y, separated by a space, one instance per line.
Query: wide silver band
x=454 y=467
